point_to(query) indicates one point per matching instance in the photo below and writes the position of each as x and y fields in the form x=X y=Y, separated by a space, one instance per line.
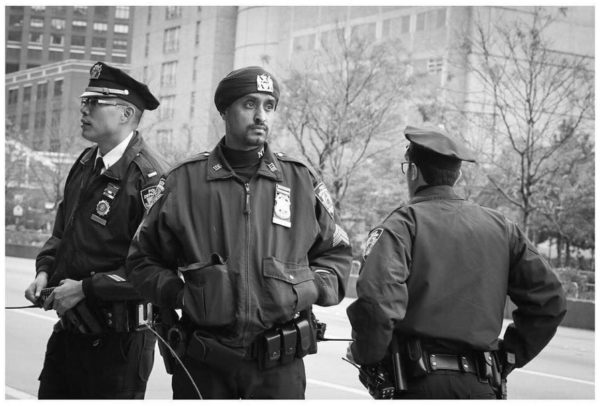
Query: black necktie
x=98 y=166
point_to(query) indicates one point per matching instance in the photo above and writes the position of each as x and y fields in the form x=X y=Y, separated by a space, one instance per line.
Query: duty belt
x=120 y=317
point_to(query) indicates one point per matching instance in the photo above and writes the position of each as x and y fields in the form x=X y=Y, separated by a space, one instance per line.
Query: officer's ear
x=128 y=113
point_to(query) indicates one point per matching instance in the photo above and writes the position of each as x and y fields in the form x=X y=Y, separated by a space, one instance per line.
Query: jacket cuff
x=88 y=288
x=172 y=294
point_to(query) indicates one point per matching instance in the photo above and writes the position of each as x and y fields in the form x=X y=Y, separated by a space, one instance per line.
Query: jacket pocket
x=288 y=289
x=208 y=293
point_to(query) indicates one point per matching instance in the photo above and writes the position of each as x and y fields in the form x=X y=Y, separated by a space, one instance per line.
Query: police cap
x=435 y=140
x=108 y=81
x=243 y=81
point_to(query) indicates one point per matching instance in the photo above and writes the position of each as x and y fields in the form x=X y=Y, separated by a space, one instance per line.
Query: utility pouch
x=303 y=332
x=416 y=359
x=289 y=343
x=209 y=351
x=118 y=317
x=487 y=369
x=269 y=350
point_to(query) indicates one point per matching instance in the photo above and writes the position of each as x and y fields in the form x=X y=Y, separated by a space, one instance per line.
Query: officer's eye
x=269 y=106
x=249 y=104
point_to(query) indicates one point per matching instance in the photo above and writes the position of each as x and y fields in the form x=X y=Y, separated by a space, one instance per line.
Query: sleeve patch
x=116 y=278
x=324 y=197
x=372 y=240
x=152 y=193
x=340 y=236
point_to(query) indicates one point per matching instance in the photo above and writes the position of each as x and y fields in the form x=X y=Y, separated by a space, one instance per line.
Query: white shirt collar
x=112 y=156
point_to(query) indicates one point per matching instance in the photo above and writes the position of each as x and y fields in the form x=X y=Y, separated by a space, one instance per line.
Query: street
x=564 y=370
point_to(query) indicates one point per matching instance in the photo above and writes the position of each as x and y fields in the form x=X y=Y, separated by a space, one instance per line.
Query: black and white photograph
x=316 y=201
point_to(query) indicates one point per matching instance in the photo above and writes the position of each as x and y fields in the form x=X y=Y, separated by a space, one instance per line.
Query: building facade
x=38 y=35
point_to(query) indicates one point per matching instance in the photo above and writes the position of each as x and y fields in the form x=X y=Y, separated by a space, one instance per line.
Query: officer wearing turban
x=435 y=278
x=256 y=237
x=95 y=351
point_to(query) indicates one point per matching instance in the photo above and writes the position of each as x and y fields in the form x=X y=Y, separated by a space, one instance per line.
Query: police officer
x=255 y=237
x=435 y=276
x=94 y=351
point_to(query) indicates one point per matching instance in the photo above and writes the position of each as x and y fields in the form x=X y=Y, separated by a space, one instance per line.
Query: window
x=192 y=103
x=55 y=56
x=168 y=73
x=440 y=18
x=12 y=96
x=55 y=118
x=58 y=87
x=36 y=23
x=99 y=42
x=15 y=21
x=100 y=27
x=420 y=22
x=121 y=28
x=76 y=55
x=57 y=39
x=80 y=10
x=36 y=37
x=34 y=53
x=147 y=45
x=167 y=107
x=26 y=94
x=101 y=11
x=164 y=138
x=119 y=58
x=14 y=35
x=405 y=25
x=38 y=8
x=42 y=91
x=119 y=44
x=197 y=37
x=59 y=10
x=122 y=12
x=173 y=12
x=194 y=70
x=78 y=40
x=79 y=25
x=25 y=121
x=40 y=120
x=435 y=65
x=364 y=32
x=332 y=39
x=171 y=40
x=58 y=23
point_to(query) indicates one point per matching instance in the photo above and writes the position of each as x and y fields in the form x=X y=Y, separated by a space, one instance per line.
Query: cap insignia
x=95 y=71
x=264 y=83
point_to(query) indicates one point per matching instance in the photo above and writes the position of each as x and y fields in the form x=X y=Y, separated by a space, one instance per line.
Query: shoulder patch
x=151 y=194
x=324 y=197
x=371 y=241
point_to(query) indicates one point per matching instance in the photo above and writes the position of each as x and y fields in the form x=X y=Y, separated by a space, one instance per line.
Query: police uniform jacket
x=441 y=268
x=243 y=271
x=96 y=220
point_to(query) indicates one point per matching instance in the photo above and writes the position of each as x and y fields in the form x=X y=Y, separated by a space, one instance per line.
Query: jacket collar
x=119 y=169
x=218 y=168
x=443 y=192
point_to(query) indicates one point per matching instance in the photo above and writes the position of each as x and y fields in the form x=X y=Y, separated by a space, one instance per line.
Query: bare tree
x=340 y=104
x=540 y=99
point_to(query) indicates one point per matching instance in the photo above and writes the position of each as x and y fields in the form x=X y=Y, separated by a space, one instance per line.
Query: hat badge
x=264 y=83
x=96 y=70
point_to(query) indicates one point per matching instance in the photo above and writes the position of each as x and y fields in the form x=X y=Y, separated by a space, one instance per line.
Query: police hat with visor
x=243 y=81
x=433 y=146
x=109 y=82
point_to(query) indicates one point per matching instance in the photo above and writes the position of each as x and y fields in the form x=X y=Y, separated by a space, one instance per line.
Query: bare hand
x=32 y=293
x=349 y=355
x=65 y=296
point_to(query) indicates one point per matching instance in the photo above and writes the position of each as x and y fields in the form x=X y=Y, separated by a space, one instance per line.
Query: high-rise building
x=38 y=35
x=184 y=51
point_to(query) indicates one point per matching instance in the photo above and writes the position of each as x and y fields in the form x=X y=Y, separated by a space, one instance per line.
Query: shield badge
x=95 y=71
x=264 y=83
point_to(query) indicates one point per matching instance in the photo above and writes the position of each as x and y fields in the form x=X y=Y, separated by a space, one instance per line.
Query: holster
x=209 y=351
x=165 y=320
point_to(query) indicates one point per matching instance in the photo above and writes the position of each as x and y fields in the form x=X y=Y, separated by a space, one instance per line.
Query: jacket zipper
x=247 y=211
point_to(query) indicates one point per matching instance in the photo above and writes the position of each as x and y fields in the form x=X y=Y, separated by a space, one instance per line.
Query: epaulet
x=150 y=163
x=287 y=158
x=202 y=156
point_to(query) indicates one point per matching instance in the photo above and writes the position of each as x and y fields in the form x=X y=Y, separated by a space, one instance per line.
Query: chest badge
x=282 y=211
x=103 y=207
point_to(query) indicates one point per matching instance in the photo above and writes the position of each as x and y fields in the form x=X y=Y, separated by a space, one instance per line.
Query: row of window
x=121 y=12
x=390 y=28
x=171 y=12
x=77 y=25
x=39 y=120
x=77 y=40
x=41 y=92
x=171 y=39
